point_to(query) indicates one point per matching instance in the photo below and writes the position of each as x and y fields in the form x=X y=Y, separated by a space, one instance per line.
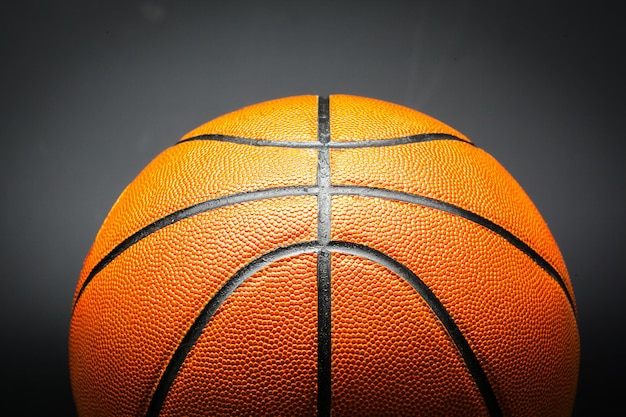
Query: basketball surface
x=311 y=256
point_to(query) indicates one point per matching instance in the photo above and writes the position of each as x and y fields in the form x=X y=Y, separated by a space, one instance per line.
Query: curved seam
x=334 y=190
x=188 y=212
x=195 y=331
x=463 y=213
x=436 y=306
x=370 y=143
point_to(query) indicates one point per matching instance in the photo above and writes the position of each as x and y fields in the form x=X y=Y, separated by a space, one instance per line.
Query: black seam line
x=190 y=211
x=324 y=330
x=195 y=331
x=404 y=140
x=471 y=361
x=461 y=212
x=312 y=191
x=323 y=172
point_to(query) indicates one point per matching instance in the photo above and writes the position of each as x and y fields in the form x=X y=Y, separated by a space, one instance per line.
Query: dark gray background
x=92 y=91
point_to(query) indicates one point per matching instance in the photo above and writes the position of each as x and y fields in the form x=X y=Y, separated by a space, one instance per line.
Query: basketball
x=316 y=256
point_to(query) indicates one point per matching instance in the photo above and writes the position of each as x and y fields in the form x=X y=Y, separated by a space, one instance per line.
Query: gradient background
x=92 y=91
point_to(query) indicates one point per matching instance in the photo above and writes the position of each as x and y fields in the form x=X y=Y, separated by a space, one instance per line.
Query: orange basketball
x=311 y=256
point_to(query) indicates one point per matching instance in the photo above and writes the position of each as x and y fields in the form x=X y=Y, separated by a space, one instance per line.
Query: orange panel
x=193 y=172
x=258 y=355
x=515 y=316
x=455 y=173
x=359 y=118
x=390 y=354
x=288 y=119
x=136 y=310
